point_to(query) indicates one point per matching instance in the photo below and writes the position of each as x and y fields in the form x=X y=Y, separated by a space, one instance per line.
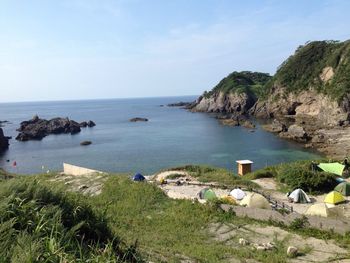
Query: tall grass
x=41 y=224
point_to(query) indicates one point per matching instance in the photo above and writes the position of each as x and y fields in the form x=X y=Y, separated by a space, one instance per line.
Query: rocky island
x=4 y=141
x=307 y=100
x=36 y=128
x=138 y=119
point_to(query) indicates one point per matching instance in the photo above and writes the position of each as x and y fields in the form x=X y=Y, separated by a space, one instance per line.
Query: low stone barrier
x=328 y=224
x=76 y=170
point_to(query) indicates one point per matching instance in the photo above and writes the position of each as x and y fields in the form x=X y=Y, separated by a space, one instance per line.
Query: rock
x=36 y=128
x=229 y=122
x=243 y=242
x=138 y=119
x=296 y=131
x=91 y=124
x=83 y=124
x=4 y=141
x=270 y=245
x=277 y=126
x=180 y=104
x=248 y=124
x=84 y=143
x=260 y=248
x=292 y=251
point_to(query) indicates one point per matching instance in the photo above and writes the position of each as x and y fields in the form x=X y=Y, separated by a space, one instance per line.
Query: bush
x=310 y=181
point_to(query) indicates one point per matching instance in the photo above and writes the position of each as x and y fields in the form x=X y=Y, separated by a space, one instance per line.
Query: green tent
x=334 y=168
x=207 y=194
x=343 y=188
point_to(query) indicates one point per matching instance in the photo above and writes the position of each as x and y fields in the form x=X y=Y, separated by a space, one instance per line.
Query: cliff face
x=235 y=94
x=313 y=83
x=225 y=103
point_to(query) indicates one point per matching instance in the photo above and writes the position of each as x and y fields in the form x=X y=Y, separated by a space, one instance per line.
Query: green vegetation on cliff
x=322 y=65
x=304 y=69
x=239 y=82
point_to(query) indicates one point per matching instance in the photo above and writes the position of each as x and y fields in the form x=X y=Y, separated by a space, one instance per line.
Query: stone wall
x=328 y=224
x=76 y=170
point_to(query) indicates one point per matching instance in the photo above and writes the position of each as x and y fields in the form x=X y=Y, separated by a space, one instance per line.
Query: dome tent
x=323 y=210
x=343 y=188
x=207 y=194
x=237 y=194
x=255 y=200
x=334 y=197
x=138 y=177
x=299 y=196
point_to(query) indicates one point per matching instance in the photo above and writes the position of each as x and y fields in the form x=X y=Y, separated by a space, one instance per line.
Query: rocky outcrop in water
x=181 y=104
x=138 y=119
x=4 y=141
x=36 y=128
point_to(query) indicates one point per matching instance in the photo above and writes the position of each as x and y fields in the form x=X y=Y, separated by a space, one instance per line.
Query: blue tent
x=138 y=177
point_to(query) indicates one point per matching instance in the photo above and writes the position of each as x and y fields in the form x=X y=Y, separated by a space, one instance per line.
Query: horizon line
x=72 y=100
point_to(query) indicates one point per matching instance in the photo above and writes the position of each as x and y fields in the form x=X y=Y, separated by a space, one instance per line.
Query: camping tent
x=321 y=209
x=299 y=196
x=334 y=197
x=255 y=200
x=138 y=177
x=237 y=194
x=229 y=199
x=207 y=194
x=343 y=188
x=334 y=168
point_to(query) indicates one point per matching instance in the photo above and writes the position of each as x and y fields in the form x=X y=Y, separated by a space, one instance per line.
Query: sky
x=94 y=49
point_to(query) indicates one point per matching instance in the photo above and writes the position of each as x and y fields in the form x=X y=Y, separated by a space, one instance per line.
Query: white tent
x=237 y=194
x=299 y=196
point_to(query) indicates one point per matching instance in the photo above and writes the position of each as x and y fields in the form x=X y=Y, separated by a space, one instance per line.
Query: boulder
x=229 y=122
x=277 y=126
x=292 y=251
x=296 y=131
x=83 y=124
x=248 y=124
x=36 y=128
x=138 y=119
x=4 y=141
x=85 y=143
x=91 y=124
x=243 y=242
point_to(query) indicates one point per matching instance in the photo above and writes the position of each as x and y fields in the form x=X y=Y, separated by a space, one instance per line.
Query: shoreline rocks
x=138 y=119
x=37 y=129
x=4 y=141
x=181 y=104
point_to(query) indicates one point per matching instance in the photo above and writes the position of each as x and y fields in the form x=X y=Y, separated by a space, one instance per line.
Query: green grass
x=224 y=177
x=128 y=220
x=39 y=223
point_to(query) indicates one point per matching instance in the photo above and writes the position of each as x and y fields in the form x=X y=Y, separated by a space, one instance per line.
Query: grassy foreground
x=128 y=222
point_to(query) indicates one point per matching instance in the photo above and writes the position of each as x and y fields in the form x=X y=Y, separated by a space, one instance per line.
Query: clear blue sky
x=89 y=49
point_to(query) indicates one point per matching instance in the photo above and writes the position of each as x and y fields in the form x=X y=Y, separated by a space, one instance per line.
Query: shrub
x=310 y=181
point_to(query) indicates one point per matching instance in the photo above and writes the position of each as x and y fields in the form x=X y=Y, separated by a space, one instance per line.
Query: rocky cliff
x=235 y=94
x=308 y=98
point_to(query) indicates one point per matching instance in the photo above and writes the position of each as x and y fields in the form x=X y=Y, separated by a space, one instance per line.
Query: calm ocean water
x=172 y=137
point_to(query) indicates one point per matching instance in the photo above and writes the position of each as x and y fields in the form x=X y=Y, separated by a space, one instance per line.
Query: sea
x=172 y=137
